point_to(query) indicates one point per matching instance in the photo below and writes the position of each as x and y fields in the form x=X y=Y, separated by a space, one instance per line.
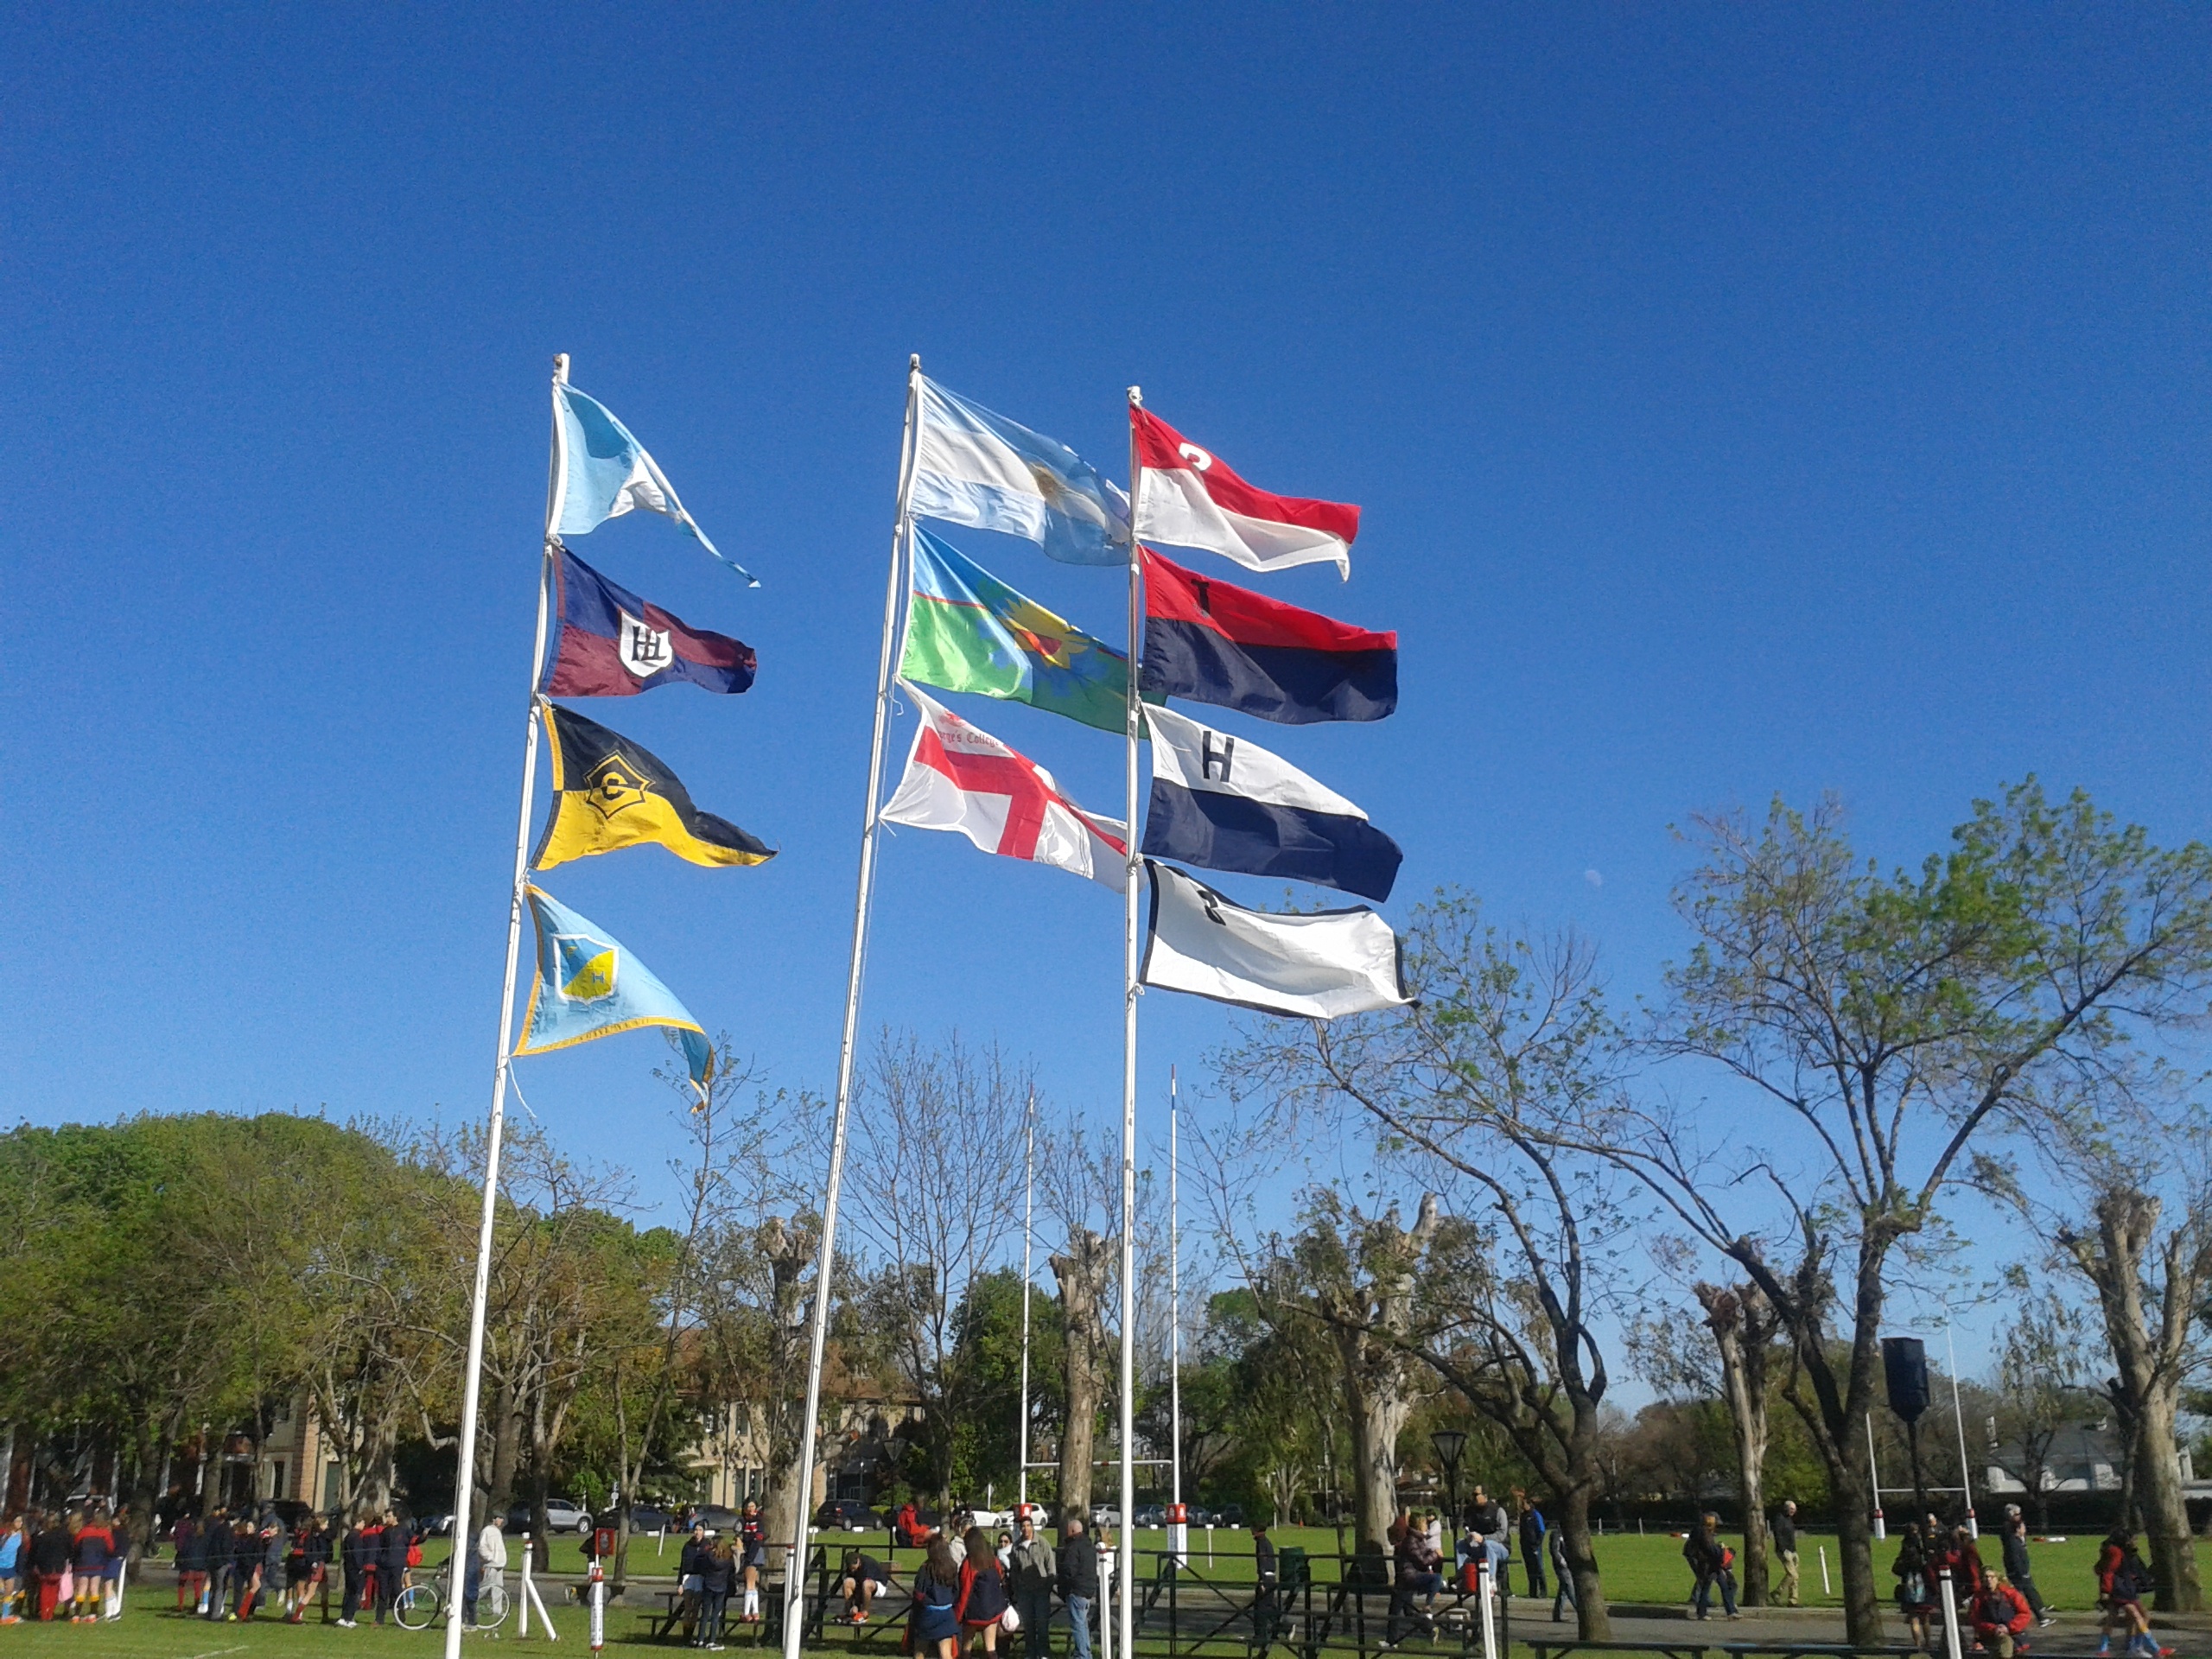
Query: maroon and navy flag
x=614 y=644
x=1189 y=497
x=1209 y=642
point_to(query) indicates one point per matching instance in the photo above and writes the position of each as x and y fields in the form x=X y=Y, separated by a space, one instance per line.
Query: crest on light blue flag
x=601 y=472
x=973 y=466
x=587 y=986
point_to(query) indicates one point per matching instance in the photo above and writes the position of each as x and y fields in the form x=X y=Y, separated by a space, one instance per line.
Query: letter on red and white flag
x=966 y=780
x=1189 y=497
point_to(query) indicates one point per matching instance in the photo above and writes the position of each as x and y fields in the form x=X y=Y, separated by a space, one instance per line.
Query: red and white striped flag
x=963 y=779
x=1191 y=497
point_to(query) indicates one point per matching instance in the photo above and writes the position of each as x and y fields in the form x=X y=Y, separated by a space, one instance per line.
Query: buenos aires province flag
x=589 y=986
x=966 y=780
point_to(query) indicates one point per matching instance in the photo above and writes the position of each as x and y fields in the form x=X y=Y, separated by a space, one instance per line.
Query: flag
x=1189 y=496
x=609 y=792
x=1224 y=802
x=1317 y=966
x=589 y=986
x=967 y=631
x=974 y=467
x=601 y=472
x=614 y=644
x=961 y=778
x=1235 y=649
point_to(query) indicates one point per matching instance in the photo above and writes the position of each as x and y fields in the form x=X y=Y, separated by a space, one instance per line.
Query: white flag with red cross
x=960 y=779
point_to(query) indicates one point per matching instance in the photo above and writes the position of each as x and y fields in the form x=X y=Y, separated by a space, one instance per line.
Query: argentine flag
x=972 y=467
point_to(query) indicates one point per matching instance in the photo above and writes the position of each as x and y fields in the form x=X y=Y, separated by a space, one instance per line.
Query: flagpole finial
x=560 y=368
x=1137 y=396
x=914 y=362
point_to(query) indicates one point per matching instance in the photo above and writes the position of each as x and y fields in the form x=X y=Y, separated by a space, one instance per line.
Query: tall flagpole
x=901 y=533
x=1130 y=936
x=473 y=1379
x=1174 y=1304
x=1028 y=1238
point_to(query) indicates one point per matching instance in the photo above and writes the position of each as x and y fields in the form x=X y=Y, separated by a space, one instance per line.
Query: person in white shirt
x=490 y=1564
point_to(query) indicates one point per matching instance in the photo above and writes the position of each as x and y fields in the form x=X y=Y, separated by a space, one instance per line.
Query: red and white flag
x=1191 y=497
x=964 y=780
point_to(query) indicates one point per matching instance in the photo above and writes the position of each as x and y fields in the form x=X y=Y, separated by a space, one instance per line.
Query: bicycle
x=416 y=1607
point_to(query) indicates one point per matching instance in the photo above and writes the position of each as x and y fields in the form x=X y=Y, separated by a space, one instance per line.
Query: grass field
x=1634 y=1569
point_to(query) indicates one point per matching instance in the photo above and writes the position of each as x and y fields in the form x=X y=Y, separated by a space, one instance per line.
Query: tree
x=1082 y=1186
x=1891 y=1021
x=935 y=1198
x=1743 y=1328
x=1484 y=1082
x=2039 y=1393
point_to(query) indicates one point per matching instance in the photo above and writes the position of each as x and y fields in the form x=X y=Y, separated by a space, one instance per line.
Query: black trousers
x=352 y=1605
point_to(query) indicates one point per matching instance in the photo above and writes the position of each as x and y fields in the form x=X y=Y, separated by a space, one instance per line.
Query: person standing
x=1915 y=1584
x=49 y=1549
x=934 y=1626
x=392 y=1544
x=1710 y=1560
x=1532 y=1527
x=488 y=1567
x=2017 y=1568
x=983 y=1592
x=12 y=1539
x=356 y=1561
x=717 y=1573
x=95 y=1543
x=690 y=1577
x=1563 y=1597
x=1266 y=1583
x=188 y=1539
x=276 y=1552
x=1031 y=1572
x=1784 y=1530
x=1078 y=1578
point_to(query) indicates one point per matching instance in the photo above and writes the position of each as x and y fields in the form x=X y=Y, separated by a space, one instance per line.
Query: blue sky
x=1741 y=400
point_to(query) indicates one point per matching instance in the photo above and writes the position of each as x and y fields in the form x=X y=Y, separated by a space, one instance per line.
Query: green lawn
x=1636 y=1569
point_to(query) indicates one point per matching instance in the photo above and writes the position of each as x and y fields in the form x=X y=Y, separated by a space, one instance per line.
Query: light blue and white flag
x=601 y=472
x=974 y=468
x=589 y=986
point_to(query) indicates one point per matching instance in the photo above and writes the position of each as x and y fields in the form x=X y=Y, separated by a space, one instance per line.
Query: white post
x=473 y=1377
x=1874 y=1475
x=1130 y=943
x=1486 y=1580
x=795 y=1564
x=1827 y=1588
x=1028 y=1239
x=1958 y=1416
x=1106 y=1563
x=523 y=1629
x=1174 y=1300
x=1950 y=1614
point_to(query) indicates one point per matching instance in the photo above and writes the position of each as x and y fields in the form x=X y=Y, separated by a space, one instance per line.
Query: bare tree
x=1081 y=1185
x=936 y=1198
x=1744 y=1326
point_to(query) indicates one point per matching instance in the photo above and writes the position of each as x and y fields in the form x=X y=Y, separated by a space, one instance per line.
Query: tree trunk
x=506 y=1446
x=2166 y=1518
x=1082 y=1274
x=1744 y=1325
x=1593 y=1620
x=1377 y=1400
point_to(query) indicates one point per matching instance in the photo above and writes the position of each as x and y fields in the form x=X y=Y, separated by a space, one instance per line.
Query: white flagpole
x=901 y=533
x=1174 y=1304
x=1130 y=939
x=1028 y=1239
x=473 y=1378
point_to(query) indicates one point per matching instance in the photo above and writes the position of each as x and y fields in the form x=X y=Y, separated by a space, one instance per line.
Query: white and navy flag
x=1316 y=966
x=1224 y=802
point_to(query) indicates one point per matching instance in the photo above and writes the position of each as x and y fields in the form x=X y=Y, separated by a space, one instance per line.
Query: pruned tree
x=2041 y=1365
x=1892 y=1022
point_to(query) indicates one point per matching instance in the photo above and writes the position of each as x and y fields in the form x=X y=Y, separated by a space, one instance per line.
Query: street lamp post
x=1449 y=1443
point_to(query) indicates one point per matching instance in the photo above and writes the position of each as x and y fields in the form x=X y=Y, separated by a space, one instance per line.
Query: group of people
x=969 y=1589
x=711 y=1569
x=73 y=1560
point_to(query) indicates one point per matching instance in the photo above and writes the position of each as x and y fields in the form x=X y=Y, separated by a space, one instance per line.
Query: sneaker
x=2046 y=1621
x=345 y=1624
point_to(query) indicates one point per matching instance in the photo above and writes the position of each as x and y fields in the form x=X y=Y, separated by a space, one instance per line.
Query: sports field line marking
x=215 y=1653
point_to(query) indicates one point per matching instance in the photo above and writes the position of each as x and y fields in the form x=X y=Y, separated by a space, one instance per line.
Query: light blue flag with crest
x=589 y=986
x=601 y=472
x=972 y=467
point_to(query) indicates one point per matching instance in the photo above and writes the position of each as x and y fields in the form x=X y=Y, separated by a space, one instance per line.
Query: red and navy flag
x=1210 y=642
x=614 y=644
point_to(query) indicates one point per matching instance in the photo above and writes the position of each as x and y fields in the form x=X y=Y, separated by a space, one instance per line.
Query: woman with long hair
x=717 y=1572
x=933 y=1629
x=1915 y=1584
x=982 y=1590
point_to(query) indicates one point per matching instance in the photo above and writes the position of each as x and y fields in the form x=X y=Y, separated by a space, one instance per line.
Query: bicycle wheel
x=491 y=1607
x=417 y=1608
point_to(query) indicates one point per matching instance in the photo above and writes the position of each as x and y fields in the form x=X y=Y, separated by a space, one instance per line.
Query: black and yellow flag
x=610 y=793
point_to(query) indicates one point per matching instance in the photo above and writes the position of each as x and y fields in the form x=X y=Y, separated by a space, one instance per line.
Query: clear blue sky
x=1741 y=400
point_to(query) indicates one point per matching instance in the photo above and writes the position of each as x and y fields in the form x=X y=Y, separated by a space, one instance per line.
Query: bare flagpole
x=1174 y=1305
x=1131 y=938
x=472 y=1384
x=1028 y=1239
x=901 y=533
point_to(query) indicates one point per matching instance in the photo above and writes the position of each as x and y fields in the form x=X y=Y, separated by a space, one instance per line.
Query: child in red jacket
x=2001 y=1615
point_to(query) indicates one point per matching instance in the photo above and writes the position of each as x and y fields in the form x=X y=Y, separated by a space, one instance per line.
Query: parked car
x=1152 y=1515
x=650 y=1517
x=1230 y=1515
x=437 y=1526
x=849 y=1513
x=1105 y=1515
x=715 y=1518
x=561 y=1515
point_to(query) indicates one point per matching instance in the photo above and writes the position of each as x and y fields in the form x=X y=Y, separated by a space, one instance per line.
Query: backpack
x=1727 y=1557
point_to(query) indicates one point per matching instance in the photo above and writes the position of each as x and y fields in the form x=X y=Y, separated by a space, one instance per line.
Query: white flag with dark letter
x=1318 y=966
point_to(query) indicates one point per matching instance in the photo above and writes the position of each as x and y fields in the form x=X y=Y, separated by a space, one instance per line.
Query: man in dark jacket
x=2018 y=1567
x=1532 y=1528
x=1785 y=1531
x=356 y=1556
x=49 y=1550
x=1030 y=1580
x=1077 y=1573
x=392 y=1562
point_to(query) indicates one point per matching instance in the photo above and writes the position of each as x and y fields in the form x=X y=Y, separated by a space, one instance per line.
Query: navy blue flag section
x=1223 y=803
